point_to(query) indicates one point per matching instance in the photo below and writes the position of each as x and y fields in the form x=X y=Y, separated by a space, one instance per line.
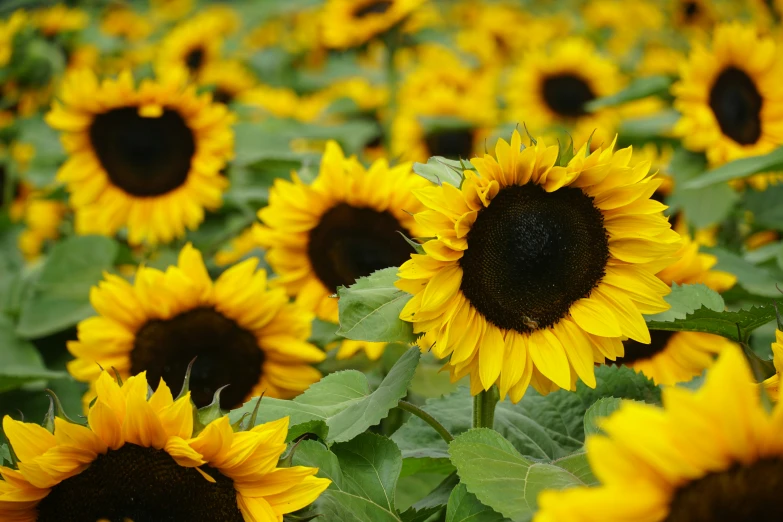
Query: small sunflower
x=241 y=333
x=343 y=226
x=694 y=267
x=123 y=22
x=137 y=459
x=351 y=23
x=59 y=19
x=190 y=46
x=537 y=270
x=693 y=14
x=709 y=455
x=729 y=97
x=772 y=385
x=8 y=29
x=148 y=158
x=549 y=89
x=42 y=218
x=623 y=22
x=228 y=79
x=170 y=10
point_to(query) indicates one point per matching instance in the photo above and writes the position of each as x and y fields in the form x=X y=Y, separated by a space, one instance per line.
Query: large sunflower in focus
x=240 y=332
x=350 y=23
x=710 y=455
x=343 y=226
x=137 y=459
x=729 y=96
x=538 y=271
x=551 y=89
x=148 y=158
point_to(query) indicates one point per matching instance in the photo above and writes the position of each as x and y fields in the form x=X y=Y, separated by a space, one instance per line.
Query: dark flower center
x=741 y=494
x=376 y=7
x=351 y=242
x=142 y=485
x=736 y=103
x=195 y=59
x=690 y=9
x=454 y=144
x=225 y=354
x=636 y=351
x=222 y=96
x=531 y=254
x=567 y=94
x=143 y=156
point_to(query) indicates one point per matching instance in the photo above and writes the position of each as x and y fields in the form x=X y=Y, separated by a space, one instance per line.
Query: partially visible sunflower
x=229 y=79
x=8 y=29
x=241 y=333
x=694 y=267
x=343 y=226
x=729 y=98
x=147 y=158
x=125 y=23
x=772 y=385
x=623 y=23
x=137 y=459
x=538 y=270
x=42 y=218
x=59 y=19
x=549 y=90
x=693 y=14
x=191 y=46
x=351 y=23
x=708 y=455
x=170 y=10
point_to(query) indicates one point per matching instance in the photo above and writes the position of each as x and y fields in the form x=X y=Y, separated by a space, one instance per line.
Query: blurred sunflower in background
x=239 y=332
x=145 y=157
x=138 y=458
x=351 y=23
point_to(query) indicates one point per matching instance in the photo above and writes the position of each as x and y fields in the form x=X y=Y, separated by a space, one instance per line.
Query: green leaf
x=5 y=455
x=602 y=408
x=755 y=279
x=433 y=502
x=364 y=475
x=720 y=323
x=706 y=206
x=636 y=90
x=440 y=170
x=342 y=400
x=493 y=470
x=644 y=128
x=61 y=296
x=767 y=206
x=49 y=152
x=739 y=169
x=20 y=362
x=370 y=309
x=685 y=299
x=577 y=465
x=315 y=427
x=465 y=507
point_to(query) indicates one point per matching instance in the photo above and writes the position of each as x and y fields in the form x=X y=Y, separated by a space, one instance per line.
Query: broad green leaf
x=577 y=464
x=49 y=152
x=440 y=170
x=61 y=296
x=755 y=279
x=20 y=362
x=314 y=427
x=364 y=475
x=652 y=126
x=435 y=501
x=465 y=507
x=738 y=169
x=736 y=326
x=706 y=206
x=685 y=165
x=602 y=408
x=370 y=309
x=493 y=470
x=342 y=400
x=638 y=89
x=685 y=299
x=767 y=206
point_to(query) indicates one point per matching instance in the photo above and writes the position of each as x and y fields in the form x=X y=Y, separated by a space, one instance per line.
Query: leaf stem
x=484 y=408
x=426 y=417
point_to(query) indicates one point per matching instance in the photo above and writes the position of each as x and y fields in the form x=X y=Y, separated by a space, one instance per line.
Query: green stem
x=426 y=417
x=484 y=408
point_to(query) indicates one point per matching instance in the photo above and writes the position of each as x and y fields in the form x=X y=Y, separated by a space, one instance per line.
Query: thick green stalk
x=484 y=408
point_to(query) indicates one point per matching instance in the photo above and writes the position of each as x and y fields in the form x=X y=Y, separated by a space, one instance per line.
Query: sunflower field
x=391 y=260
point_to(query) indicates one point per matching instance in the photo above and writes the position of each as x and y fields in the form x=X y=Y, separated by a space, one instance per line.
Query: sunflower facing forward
x=538 y=270
x=240 y=333
x=710 y=455
x=148 y=158
x=344 y=226
x=138 y=459
x=350 y=23
x=729 y=96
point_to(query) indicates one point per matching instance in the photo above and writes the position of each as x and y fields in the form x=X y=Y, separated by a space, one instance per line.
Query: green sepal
x=212 y=411
x=186 y=381
x=55 y=410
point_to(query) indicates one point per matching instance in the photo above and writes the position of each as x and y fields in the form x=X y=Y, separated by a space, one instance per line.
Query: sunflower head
x=126 y=23
x=138 y=458
x=729 y=103
x=538 y=270
x=191 y=46
x=240 y=333
x=228 y=79
x=147 y=158
x=351 y=23
x=711 y=454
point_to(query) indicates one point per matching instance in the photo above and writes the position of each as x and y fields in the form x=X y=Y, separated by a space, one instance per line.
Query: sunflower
x=123 y=22
x=549 y=89
x=138 y=459
x=693 y=14
x=729 y=98
x=708 y=455
x=241 y=333
x=694 y=267
x=228 y=78
x=170 y=9
x=537 y=270
x=623 y=22
x=772 y=385
x=350 y=23
x=8 y=29
x=191 y=46
x=59 y=19
x=343 y=226
x=239 y=247
x=146 y=157
x=42 y=218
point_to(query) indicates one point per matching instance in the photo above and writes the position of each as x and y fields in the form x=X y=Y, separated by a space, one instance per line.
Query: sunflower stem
x=426 y=417
x=484 y=408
